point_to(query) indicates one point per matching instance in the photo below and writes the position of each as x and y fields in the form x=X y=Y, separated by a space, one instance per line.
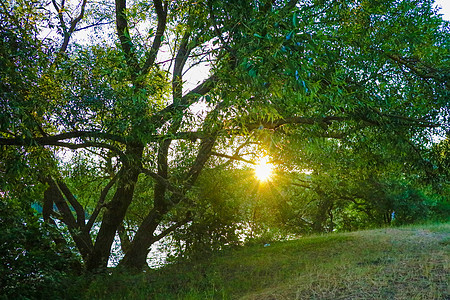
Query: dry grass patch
x=393 y=263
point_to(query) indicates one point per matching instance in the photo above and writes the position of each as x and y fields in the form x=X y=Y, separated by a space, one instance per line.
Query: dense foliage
x=32 y=265
x=102 y=117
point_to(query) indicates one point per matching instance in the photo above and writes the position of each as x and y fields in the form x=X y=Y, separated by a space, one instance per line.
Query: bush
x=31 y=265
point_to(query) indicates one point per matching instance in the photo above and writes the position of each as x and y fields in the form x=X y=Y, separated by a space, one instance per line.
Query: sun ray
x=263 y=169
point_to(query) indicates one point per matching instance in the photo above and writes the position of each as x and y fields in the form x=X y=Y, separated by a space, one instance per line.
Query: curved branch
x=64 y=136
x=161 y=12
x=55 y=141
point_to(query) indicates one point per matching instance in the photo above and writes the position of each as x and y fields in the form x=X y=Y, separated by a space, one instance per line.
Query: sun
x=263 y=169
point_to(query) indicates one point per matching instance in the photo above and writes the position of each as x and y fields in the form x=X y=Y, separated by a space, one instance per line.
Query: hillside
x=390 y=263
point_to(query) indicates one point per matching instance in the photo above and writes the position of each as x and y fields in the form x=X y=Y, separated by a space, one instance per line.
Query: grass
x=392 y=263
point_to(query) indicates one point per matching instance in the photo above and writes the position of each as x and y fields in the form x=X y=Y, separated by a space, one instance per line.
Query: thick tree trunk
x=136 y=257
x=115 y=213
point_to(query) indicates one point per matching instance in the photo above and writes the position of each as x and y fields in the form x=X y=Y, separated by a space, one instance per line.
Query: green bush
x=31 y=265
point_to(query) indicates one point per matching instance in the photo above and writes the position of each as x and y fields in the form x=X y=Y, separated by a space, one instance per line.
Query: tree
x=136 y=137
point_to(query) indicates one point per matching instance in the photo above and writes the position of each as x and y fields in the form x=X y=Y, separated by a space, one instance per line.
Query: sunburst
x=263 y=169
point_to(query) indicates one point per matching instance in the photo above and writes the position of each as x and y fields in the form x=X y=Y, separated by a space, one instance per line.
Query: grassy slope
x=391 y=263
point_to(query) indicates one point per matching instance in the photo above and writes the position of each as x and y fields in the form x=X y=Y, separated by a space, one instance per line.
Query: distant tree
x=360 y=183
x=107 y=125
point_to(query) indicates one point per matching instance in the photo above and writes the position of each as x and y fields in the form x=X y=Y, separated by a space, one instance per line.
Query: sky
x=445 y=8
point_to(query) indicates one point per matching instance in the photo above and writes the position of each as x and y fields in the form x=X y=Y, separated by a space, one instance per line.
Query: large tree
x=107 y=124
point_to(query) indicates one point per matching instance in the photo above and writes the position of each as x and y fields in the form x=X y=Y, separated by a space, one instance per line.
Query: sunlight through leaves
x=263 y=169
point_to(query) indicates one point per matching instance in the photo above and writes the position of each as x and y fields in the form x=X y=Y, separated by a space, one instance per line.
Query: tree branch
x=63 y=136
x=54 y=193
x=74 y=202
x=100 y=202
x=55 y=140
x=161 y=117
x=67 y=32
x=92 y=25
x=294 y=120
x=164 y=182
x=161 y=12
x=60 y=11
x=420 y=69
x=203 y=155
x=301 y=185
x=217 y=30
x=180 y=61
x=233 y=157
x=124 y=37
x=170 y=229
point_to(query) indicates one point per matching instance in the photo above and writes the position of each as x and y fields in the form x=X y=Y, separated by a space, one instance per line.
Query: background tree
x=120 y=133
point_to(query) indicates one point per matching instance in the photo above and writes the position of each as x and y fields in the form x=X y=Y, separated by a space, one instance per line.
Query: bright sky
x=445 y=8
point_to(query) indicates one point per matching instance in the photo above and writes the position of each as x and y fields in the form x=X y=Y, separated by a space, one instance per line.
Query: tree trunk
x=115 y=213
x=136 y=257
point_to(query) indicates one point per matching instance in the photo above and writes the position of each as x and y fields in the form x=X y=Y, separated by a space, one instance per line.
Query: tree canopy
x=120 y=116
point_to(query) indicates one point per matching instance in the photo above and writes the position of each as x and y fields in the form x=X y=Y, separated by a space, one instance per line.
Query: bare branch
x=190 y=56
x=75 y=21
x=93 y=25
